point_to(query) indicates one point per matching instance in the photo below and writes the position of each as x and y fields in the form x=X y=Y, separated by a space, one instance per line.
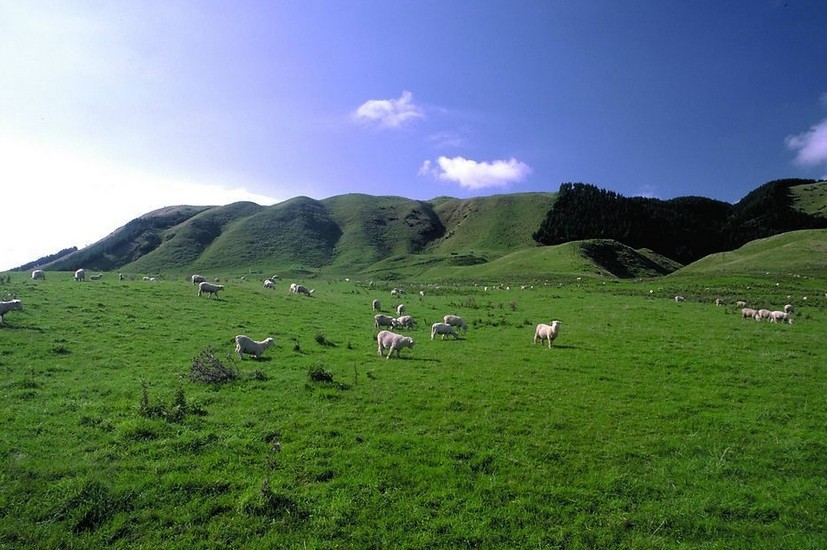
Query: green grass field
x=650 y=424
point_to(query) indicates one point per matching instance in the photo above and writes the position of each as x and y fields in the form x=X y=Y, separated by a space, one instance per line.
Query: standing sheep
x=196 y=279
x=80 y=275
x=546 y=332
x=405 y=321
x=38 y=274
x=400 y=310
x=789 y=308
x=376 y=305
x=6 y=307
x=208 y=288
x=300 y=289
x=456 y=321
x=391 y=341
x=380 y=320
x=782 y=316
x=748 y=313
x=245 y=344
x=269 y=283
x=444 y=329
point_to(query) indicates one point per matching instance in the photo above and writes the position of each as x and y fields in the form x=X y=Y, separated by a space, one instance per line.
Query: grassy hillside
x=712 y=438
x=811 y=198
x=796 y=252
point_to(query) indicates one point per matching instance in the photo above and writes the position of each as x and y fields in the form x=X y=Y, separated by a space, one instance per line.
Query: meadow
x=649 y=424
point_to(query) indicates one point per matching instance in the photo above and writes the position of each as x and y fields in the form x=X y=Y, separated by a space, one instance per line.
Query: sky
x=109 y=110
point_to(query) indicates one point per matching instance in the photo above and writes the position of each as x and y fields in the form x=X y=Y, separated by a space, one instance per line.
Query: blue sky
x=111 y=109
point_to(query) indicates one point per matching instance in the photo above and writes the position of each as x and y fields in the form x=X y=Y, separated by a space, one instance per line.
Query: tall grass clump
x=209 y=369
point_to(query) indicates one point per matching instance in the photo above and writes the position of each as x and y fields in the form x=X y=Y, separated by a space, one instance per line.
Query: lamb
x=269 y=283
x=38 y=274
x=456 y=321
x=245 y=344
x=391 y=341
x=198 y=279
x=380 y=320
x=748 y=313
x=405 y=321
x=443 y=329
x=400 y=310
x=376 y=305
x=547 y=332
x=80 y=275
x=208 y=288
x=782 y=316
x=6 y=307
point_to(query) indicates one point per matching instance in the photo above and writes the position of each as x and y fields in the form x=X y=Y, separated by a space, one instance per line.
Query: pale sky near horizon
x=109 y=110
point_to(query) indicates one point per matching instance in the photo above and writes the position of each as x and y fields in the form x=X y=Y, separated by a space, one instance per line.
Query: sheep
x=719 y=302
x=196 y=279
x=397 y=292
x=740 y=303
x=547 y=332
x=400 y=310
x=38 y=274
x=748 y=313
x=208 y=288
x=680 y=299
x=405 y=321
x=789 y=308
x=299 y=289
x=762 y=314
x=96 y=277
x=443 y=329
x=121 y=277
x=245 y=344
x=782 y=316
x=380 y=320
x=269 y=283
x=376 y=305
x=391 y=341
x=80 y=275
x=455 y=321
x=6 y=307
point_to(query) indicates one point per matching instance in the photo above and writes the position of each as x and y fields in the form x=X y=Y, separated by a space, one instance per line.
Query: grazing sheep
x=400 y=310
x=397 y=292
x=380 y=320
x=547 y=332
x=782 y=316
x=789 y=308
x=38 y=274
x=444 y=329
x=762 y=314
x=6 y=307
x=748 y=313
x=208 y=288
x=456 y=321
x=245 y=344
x=405 y=321
x=376 y=305
x=196 y=279
x=269 y=283
x=80 y=275
x=391 y=341
x=740 y=303
x=719 y=302
x=300 y=289
x=680 y=299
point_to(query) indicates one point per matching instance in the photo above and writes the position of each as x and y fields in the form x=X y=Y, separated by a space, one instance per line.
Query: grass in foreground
x=650 y=424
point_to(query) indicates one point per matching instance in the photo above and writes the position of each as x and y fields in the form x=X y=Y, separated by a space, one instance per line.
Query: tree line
x=684 y=229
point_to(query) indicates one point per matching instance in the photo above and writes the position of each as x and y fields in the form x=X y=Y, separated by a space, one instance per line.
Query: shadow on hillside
x=8 y=326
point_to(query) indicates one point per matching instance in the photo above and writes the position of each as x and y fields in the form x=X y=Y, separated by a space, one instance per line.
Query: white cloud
x=810 y=147
x=389 y=113
x=54 y=199
x=476 y=175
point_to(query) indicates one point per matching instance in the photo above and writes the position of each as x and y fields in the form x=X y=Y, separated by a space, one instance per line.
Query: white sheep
x=269 y=283
x=397 y=292
x=376 y=305
x=740 y=303
x=391 y=341
x=719 y=302
x=208 y=288
x=400 y=310
x=456 y=321
x=196 y=279
x=300 y=289
x=443 y=329
x=782 y=316
x=6 y=307
x=762 y=314
x=748 y=313
x=405 y=321
x=38 y=274
x=80 y=275
x=789 y=308
x=547 y=332
x=680 y=299
x=381 y=320
x=245 y=344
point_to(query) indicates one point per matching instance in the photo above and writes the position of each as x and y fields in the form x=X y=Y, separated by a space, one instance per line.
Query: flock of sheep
x=776 y=316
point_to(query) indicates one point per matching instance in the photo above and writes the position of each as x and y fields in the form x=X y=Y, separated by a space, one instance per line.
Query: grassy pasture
x=650 y=424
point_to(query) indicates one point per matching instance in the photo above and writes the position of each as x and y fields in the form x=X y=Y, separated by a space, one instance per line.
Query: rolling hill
x=449 y=238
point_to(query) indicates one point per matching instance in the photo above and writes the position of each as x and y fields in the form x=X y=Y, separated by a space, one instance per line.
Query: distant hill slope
x=391 y=236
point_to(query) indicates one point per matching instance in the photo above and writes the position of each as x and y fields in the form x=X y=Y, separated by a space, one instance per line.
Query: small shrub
x=322 y=341
x=208 y=368
x=318 y=374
